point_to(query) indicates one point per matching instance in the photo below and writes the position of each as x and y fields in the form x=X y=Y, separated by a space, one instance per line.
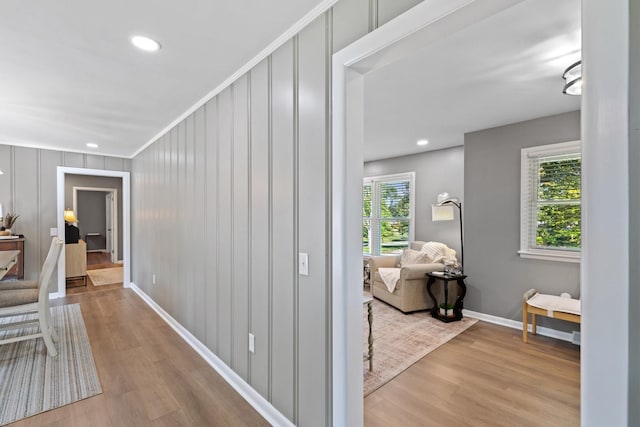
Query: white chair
x=24 y=297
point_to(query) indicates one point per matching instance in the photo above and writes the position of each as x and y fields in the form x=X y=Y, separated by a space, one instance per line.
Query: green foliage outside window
x=394 y=205
x=558 y=204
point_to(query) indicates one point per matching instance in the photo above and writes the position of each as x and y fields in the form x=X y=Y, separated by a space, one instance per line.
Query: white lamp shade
x=441 y=213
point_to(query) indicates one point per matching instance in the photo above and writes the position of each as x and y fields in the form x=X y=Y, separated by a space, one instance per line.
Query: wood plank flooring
x=149 y=375
x=485 y=376
x=95 y=261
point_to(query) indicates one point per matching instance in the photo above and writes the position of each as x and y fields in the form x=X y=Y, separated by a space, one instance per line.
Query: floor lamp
x=443 y=211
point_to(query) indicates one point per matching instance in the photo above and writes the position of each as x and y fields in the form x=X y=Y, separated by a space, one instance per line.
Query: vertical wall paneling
x=212 y=260
x=181 y=224
x=373 y=15
x=283 y=242
x=328 y=229
x=95 y=162
x=350 y=22
x=74 y=160
x=240 y=294
x=28 y=188
x=225 y=223
x=6 y=194
x=171 y=271
x=389 y=9
x=114 y=163
x=188 y=213
x=312 y=302
x=226 y=200
x=26 y=180
x=260 y=266
x=49 y=161
x=198 y=227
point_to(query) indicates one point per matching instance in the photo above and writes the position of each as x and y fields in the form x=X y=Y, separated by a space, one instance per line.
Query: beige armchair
x=410 y=293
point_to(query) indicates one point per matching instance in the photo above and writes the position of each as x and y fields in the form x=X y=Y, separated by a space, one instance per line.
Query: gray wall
x=497 y=275
x=86 y=221
x=92 y=210
x=223 y=202
x=28 y=187
x=436 y=172
x=634 y=213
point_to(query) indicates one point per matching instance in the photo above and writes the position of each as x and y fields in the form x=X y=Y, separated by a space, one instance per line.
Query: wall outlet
x=153 y=279
x=252 y=343
x=303 y=264
x=53 y=232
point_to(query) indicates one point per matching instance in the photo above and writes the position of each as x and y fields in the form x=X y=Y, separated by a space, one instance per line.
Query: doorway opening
x=105 y=223
x=99 y=209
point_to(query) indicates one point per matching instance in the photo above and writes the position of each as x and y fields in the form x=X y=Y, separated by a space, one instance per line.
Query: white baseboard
x=547 y=332
x=259 y=403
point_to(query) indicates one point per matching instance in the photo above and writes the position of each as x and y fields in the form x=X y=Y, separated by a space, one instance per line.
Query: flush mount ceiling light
x=92 y=145
x=573 y=79
x=145 y=43
x=422 y=142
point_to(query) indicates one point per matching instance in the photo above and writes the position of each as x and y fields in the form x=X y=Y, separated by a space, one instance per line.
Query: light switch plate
x=53 y=232
x=303 y=264
x=252 y=343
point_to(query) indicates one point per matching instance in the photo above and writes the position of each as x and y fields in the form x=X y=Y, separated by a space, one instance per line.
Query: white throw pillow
x=409 y=256
x=439 y=252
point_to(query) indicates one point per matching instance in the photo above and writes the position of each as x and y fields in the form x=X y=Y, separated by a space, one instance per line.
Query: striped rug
x=31 y=382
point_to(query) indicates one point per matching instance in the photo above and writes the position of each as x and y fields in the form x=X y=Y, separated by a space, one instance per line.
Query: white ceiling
x=69 y=75
x=504 y=69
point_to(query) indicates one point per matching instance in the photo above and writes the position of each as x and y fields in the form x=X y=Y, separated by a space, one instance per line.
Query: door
x=109 y=226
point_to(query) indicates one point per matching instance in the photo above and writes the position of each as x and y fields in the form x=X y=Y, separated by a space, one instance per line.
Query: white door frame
x=61 y=172
x=114 y=219
x=605 y=49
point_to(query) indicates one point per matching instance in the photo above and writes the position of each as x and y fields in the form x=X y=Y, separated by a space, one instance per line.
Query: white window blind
x=388 y=204
x=551 y=202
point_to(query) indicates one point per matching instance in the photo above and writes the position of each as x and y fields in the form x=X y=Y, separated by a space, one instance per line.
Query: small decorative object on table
x=445 y=310
x=8 y=220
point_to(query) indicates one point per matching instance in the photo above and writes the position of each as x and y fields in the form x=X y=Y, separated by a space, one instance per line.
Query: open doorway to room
x=96 y=255
x=463 y=69
x=100 y=211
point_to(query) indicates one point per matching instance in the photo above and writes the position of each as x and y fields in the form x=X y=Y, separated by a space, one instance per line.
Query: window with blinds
x=550 y=202
x=387 y=216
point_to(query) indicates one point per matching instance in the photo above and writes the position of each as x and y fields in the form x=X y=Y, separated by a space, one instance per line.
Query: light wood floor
x=95 y=261
x=149 y=375
x=485 y=376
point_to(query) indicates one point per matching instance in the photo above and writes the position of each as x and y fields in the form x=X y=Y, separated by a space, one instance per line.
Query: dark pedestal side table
x=449 y=315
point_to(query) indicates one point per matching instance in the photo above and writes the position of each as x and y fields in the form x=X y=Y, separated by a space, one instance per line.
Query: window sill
x=551 y=256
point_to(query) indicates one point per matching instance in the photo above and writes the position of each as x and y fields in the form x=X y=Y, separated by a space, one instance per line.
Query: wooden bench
x=548 y=311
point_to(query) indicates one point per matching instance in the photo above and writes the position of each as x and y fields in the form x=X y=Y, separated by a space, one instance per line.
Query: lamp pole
x=459 y=206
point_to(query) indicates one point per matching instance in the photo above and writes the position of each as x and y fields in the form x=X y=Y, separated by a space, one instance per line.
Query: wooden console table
x=17 y=244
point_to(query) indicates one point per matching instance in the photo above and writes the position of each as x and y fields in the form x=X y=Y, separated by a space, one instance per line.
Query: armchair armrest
x=419 y=271
x=383 y=261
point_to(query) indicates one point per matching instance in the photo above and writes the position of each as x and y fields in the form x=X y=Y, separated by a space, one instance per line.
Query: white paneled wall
x=223 y=203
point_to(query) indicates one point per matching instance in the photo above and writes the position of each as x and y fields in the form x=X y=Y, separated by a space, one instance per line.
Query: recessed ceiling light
x=145 y=43
x=422 y=142
x=92 y=145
